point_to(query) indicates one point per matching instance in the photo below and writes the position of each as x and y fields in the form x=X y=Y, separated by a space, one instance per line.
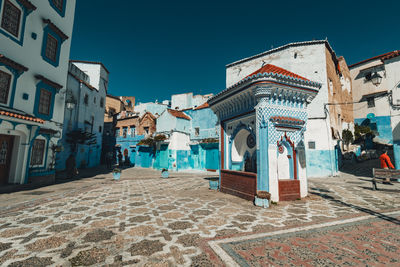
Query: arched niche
x=286 y=159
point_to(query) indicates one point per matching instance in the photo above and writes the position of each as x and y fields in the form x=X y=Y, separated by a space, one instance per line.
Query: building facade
x=130 y=130
x=84 y=109
x=263 y=119
x=35 y=39
x=327 y=115
x=377 y=98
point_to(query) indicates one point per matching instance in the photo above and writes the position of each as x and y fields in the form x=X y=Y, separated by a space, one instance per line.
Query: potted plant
x=164 y=173
x=116 y=173
x=214 y=183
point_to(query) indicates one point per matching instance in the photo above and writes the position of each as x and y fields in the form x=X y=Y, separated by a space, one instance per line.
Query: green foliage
x=160 y=137
x=150 y=141
x=347 y=136
x=360 y=131
x=210 y=140
x=146 y=142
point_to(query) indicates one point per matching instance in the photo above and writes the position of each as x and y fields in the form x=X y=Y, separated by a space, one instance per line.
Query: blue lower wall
x=321 y=163
x=199 y=157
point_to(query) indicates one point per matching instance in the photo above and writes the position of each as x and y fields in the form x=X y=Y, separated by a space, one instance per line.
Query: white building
x=35 y=40
x=84 y=111
x=188 y=100
x=376 y=89
x=316 y=61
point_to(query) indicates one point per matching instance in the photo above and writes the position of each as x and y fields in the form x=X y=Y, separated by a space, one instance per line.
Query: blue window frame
x=51 y=46
x=15 y=73
x=44 y=101
x=12 y=19
x=59 y=6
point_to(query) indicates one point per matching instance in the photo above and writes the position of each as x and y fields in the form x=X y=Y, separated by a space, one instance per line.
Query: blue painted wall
x=205 y=120
x=129 y=143
x=200 y=157
x=380 y=124
x=319 y=162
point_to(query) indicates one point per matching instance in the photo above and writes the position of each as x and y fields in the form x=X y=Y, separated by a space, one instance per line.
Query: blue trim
x=61 y=13
x=262 y=153
x=25 y=12
x=39 y=86
x=29 y=153
x=15 y=75
x=47 y=30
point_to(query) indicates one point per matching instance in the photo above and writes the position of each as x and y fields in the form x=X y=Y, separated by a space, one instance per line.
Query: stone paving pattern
x=145 y=220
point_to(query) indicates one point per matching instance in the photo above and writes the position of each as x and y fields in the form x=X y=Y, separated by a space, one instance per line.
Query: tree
x=360 y=131
x=347 y=136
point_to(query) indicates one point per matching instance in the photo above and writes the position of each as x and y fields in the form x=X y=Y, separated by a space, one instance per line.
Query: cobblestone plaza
x=145 y=220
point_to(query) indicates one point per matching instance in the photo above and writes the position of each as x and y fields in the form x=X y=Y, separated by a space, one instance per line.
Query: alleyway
x=149 y=221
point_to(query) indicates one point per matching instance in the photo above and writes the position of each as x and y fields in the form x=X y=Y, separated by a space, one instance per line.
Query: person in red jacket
x=385 y=161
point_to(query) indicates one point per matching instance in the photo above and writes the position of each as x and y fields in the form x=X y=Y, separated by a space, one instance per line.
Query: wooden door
x=6 y=146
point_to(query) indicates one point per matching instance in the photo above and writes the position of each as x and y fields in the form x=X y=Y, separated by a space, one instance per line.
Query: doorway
x=6 y=147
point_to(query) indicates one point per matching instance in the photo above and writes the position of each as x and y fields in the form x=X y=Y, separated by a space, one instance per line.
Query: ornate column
x=263 y=96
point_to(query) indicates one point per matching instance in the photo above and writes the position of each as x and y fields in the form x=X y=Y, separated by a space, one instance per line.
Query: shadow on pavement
x=60 y=179
x=365 y=210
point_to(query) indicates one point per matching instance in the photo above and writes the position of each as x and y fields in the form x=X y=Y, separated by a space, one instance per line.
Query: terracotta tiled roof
x=19 y=115
x=178 y=114
x=392 y=55
x=56 y=29
x=269 y=68
x=381 y=57
x=49 y=82
x=288 y=120
x=6 y=61
x=204 y=105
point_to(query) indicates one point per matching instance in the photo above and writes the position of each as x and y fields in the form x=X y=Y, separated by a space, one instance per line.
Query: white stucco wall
x=362 y=87
x=179 y=141
x=181 y=101
x=29 y=54
x=310 y=62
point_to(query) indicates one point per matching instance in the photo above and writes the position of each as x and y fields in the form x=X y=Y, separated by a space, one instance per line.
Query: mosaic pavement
x=144 y=220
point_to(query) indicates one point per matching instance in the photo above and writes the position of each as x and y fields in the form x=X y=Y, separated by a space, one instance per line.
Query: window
x=100 y=129
x=371 y=102
x=117 y=132
x=133 y=131
x=37 y=152
x=124 y=131
x=44 y=102
x=5 y=80
x=311 y=145
x=51 y=48
x=86 y=99
x=59 y=4
x=101 y=102
x=146 y=129
x=196 y=131
x=11 y=18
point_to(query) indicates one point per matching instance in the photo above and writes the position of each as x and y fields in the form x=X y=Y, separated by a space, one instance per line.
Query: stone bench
x=385 y=176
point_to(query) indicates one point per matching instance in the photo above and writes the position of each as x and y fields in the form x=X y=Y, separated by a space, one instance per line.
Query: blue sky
x=157 y=48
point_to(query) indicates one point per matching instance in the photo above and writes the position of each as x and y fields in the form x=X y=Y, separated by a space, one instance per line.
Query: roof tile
x=178 y=114
x=269 y=68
